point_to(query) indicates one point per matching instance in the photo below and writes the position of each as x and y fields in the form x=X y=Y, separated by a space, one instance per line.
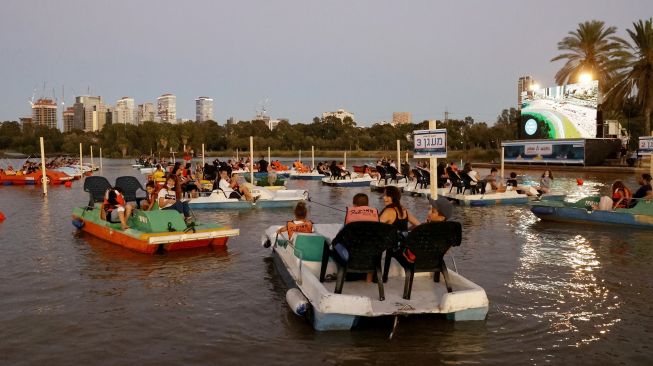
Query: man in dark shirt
x=644 y=190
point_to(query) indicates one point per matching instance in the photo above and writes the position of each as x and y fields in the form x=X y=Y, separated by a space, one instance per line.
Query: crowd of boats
x=404 y=271
x=58 y=170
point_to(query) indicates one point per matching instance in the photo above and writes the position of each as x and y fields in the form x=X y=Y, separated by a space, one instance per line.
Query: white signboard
x=538 y=149
x=430 y=143
x=645 y=145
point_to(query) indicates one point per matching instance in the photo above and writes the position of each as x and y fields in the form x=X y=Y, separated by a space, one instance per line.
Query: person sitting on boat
x=231 y=188
x=393 y=213
x=148 y=203
x=474 y=179
x=545 y=182
x=621 y=195
x=299 y=225
x=491 y=180
x=644 y=191
x=168 y=198
x=361 y=211
x=159 y=176
x=263 y=165
x=512 y=182
x=115 y=209
x=434 y=215
x=367 y=170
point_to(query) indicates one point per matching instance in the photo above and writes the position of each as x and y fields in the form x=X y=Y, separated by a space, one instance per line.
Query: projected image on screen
x=567 y=111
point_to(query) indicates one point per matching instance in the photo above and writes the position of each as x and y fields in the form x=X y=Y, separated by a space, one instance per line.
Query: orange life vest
x=361 y=213
x=302 y=227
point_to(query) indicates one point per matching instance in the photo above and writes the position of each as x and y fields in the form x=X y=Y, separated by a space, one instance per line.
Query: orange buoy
x=68 y=184
x=579 y=181
x=2 y=216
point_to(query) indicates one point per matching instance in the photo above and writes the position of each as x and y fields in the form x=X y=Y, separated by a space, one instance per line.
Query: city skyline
x=371 y=58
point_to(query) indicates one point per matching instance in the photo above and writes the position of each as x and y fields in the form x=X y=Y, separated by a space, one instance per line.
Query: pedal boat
x=487 y=199
x=581 y=212
x=152 y=231
x=378 y=185
x=299 y=263
x=267 y=198
x=52 y=177
x=356 y=180
x=312 y=175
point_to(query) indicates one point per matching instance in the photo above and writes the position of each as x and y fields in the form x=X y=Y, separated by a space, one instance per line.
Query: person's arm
x=621 y=198
x=388 y=216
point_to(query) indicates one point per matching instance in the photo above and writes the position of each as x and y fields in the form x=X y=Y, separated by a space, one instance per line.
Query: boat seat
x=308 y=247
x=96 y=186
x=428 y=243
x=456 y=182
x=130 y=185
x=358 y=248
x=383 y=174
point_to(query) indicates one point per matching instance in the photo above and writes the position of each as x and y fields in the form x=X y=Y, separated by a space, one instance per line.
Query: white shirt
x=167 y=195
x=225 y=187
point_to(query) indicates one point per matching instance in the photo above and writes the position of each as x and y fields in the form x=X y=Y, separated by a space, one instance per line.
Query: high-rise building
x=146 y=112
x=90 y=114
x=68 y=119
x=24 y=121
x=124 y=112
x=44 y=113
x=400 y=118
x=166 y=108
x=340 y=113
x=203 y=109
x=524 y=84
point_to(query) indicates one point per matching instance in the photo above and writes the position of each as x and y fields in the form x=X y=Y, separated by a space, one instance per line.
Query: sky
x=370 y=57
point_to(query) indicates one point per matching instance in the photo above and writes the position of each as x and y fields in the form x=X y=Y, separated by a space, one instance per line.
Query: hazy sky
x=370 y=57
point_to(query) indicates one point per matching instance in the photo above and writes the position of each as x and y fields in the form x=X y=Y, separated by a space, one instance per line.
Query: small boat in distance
x=355 y=180
x=583 y=212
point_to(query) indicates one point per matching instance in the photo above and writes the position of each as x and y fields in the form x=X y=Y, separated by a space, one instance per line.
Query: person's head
x=170 y=181
x=493 y=171
x=617 y=185
x=360 y=199
x=300 y=211
x=645 y=179
x=453 y=166
x=392 y=197
x=547 y=173
x=467 y=168
x=513 y=175
x=150 y=186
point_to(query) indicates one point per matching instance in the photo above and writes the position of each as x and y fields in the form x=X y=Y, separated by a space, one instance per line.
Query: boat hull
x=579 y=215
x=477 y=200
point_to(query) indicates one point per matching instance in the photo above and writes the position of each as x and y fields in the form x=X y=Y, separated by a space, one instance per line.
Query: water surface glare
x=558 y=293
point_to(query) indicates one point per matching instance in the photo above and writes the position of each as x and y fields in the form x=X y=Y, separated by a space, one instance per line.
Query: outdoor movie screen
x=567 y=111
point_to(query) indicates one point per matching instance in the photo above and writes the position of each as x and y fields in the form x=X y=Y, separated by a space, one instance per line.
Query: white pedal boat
x=487 y=199
x=356 y=180
x=217 y=199
x=330 y=311
x=148 y=170
x=313 y=175
x=380 y=184
x=415 y=190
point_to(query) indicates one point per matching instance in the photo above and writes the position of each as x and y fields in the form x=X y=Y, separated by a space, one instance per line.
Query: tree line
x=331 y=133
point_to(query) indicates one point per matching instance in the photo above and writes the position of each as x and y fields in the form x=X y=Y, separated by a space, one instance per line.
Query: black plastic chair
x=364 y=242
x=428 y=243
x=395 y=175
x=383 y=173
x=96 y=186
x=456 y=181
x=130 y=185
x=467 y=183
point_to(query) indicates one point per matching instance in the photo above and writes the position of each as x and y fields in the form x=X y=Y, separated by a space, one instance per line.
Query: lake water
x=558 y=293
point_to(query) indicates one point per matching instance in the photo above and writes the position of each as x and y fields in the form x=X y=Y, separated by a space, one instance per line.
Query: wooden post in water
x=300 y=155
x=81 y=171
x=344 y=163
x=92 y=162
x=203 y=157
x=502 y=153
x=100 y=159
x=312 y=158
x=44 y=177
x=433 y=169
x=269 y=155
x=398 y=163
x=251 y=160
x=407 y=157
x=236 y=153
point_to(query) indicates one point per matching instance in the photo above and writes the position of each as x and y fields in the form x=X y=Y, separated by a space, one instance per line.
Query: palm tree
x=591 y=48
x=636 y=79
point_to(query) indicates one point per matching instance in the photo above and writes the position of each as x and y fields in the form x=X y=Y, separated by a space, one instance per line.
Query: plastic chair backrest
x=430 y=241
x=96 y=186
x=129 y=185
x=308 y=247
x=366 y=241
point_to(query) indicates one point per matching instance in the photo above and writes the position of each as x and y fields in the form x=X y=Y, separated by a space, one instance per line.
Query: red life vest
x=120 y=200
x=361 y=213
x=302 y=227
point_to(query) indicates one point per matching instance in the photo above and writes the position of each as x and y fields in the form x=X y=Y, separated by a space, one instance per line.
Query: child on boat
x=167 y=199
x=148 y=203
x=621 y=195
x=115 y=209
x=299 y=225
x=545 y=182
